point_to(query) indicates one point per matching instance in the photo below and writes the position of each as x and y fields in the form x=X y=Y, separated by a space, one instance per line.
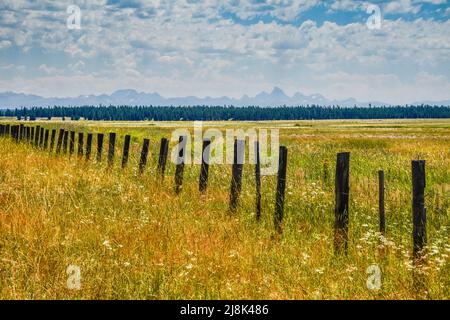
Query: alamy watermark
x=74 y=277
x=74 y=19
x=374 y=279
x=375 y=19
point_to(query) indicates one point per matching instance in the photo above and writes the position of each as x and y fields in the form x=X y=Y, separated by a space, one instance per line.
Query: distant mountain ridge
x=132 y=97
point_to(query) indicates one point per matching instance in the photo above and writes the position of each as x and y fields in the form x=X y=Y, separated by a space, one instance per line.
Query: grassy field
x=133 y=238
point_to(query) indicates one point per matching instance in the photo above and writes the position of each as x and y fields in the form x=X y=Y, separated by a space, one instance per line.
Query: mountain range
x=134 y=98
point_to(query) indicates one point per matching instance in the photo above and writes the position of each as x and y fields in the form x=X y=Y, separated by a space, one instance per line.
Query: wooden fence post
x=47 y=131
x=236 y=178
x=36 y=136
x=381 y=202
x=126 y=150
x=204 y=170
x=66 y=138
x=22 y=131
x=52 y=140
x=72 y=143
x=60 y=140
x=258 y=181
x=88 y=146
x=144 y=154
x=163 y=150
x=342 y=189
x=80 y=144
x=32 y=135
x=28 y=133
x=418 y=208
x=99 y=146
x=182 y=141
x=112 y=144
x=281 y=187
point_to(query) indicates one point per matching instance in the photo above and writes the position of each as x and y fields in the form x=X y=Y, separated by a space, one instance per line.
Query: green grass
x=133 y=238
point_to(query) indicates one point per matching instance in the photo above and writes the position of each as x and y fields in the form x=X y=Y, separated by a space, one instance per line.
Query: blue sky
x=216 y=48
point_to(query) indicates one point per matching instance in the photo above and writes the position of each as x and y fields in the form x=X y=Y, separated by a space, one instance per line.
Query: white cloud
x=401 y=6
x=184 y=48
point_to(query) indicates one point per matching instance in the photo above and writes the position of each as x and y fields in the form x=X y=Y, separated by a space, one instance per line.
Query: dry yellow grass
x=133 y=238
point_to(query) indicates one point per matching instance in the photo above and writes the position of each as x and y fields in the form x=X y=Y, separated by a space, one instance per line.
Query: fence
x=38 y=137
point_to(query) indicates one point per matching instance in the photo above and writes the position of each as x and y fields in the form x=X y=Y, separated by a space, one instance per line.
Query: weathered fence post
x=22 y=131
x=144 y=154
x=126 y=150
x=60 y=140
x=72 y=143
x=32 y=135
x=182 y=141
x=52 y=140
x=80 y=144
x=342 y=189
x=66 y=138
x=41 y=138
x=236 y=173
x=258 y=181
x=418 y=208
x=88 y=146
x=36 y=136
x=112 y=144
x=28 y=133
x=163 y=150
x=281 y=187
x=203 y=181
x=99 y=146
x=47 y=131
x=381 y=201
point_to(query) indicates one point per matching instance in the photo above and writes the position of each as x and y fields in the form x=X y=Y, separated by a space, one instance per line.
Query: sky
x=396 y=52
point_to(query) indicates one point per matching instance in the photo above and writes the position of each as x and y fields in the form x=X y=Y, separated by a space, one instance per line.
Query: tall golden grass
x=133 y=238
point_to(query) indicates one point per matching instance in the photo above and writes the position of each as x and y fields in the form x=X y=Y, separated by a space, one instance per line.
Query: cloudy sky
x=235 y=47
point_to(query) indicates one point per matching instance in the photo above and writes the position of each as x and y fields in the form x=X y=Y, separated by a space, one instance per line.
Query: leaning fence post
x=80 y=144
x=203 y=182
x=72 y=142
x=381 y=201
x=126 y=150
x=47 y=131
x=60 y=140
x=164 y=149
x=144 y=154
x=342 y=189
x=52 y=140
x=258 y=181
x=112 y=143
x=88 y=146
x=281 y=187
x=99 y=146
x=418 y=208
x=236 y=173
x=182 y=141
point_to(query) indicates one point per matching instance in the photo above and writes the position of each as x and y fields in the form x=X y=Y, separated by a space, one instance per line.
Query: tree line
x=251 y=113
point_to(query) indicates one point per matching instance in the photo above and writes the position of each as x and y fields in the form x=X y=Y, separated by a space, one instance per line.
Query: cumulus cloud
x=236 y=47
